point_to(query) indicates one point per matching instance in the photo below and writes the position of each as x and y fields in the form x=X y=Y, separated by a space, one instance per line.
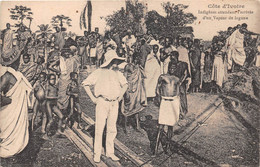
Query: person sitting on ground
x=168 y=92
x=51 y=94
x=73 y=92
x=39 y=104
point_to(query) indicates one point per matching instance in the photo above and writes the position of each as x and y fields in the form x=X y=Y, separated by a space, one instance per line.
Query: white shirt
x=107 y=83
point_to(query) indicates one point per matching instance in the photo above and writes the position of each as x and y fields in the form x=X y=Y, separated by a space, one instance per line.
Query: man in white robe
x=152 y=71
x=14 y=134
x=235 y=46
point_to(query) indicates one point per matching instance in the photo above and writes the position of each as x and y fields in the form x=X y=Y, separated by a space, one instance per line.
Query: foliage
x=170 y=25
x=59 y=20
x=176 y=15
x=119 y=21
x=123 y=20
x=173 y=24
x=156 y=23
x=70 y=34
x=44 y=32
x=20 y=13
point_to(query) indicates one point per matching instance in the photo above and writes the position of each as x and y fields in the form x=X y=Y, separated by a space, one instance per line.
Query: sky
x=204 y=28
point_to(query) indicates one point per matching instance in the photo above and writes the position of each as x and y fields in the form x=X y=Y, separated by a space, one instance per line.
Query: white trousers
x=106 y=112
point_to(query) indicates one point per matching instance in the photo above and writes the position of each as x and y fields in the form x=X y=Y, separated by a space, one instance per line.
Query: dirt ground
x=45 y=153
x=215 y=132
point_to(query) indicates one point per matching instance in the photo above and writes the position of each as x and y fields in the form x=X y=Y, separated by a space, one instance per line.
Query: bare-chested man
x=168 y=91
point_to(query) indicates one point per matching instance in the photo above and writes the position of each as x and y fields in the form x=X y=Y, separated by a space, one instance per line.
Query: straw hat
x=110 y=56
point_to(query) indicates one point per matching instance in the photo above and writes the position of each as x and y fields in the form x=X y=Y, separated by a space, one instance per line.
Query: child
x=39 y=69
x=51 y=94
x=168 y=91
x=73 y=92
x=39 y=104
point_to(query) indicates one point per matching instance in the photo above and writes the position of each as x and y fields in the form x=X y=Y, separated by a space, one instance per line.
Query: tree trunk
x=45 y=53
x=30 y=23
x=143 y=25
x=61 y=24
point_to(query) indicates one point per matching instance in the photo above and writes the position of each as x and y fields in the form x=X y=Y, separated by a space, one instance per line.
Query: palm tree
x=59 y=20
x=44 y=33
x=88 y=8
x=19 y=13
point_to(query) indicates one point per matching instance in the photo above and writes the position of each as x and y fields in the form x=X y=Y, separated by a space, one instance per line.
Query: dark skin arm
x=158 y=97
x=52 y=68
x=192 y=65
x=69 y=93
x=184 y=77
x=7 y=82
x=164 y=56
x=159 y=83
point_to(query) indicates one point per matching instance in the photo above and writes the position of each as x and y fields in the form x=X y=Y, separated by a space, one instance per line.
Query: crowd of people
x=131 y=70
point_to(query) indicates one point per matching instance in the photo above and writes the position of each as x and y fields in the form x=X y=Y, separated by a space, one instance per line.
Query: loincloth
x=169 y=110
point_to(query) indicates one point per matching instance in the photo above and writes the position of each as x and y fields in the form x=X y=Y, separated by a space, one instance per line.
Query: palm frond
x=89 y=14
x=83 y=14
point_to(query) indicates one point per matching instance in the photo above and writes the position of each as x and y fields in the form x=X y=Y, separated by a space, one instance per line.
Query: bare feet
x=45 y=137
x=49 y=125
x=43 y=131
x=59 y=134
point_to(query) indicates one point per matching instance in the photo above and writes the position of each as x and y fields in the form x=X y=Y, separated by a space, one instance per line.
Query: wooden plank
x=132 y=156
x=89 y=141
x=83 y=147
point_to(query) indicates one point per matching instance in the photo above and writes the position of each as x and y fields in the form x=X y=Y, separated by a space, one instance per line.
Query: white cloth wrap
x=169 y=110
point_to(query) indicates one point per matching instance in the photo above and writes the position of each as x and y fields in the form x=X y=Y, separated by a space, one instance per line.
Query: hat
x=110 y=56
